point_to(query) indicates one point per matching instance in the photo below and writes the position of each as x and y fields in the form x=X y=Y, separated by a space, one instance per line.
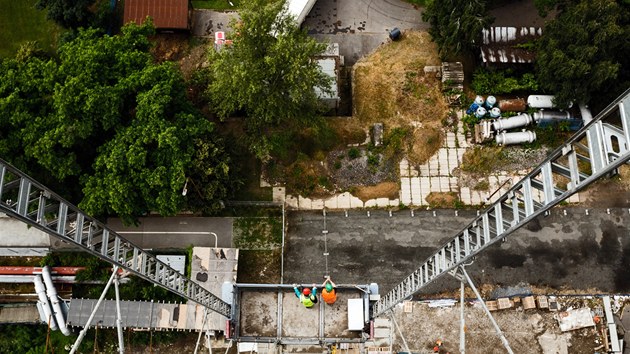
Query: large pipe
x=54 y=300
x=517 y=121
x=515 y=138
x=551 y=115
x=40 y=289
x=586 y=113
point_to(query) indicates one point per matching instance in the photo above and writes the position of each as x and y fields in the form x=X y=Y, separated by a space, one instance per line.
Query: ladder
x=25 y=199
x=597 y=150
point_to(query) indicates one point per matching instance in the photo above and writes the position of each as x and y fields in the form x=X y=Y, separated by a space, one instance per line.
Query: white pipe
x=40 y=289
x=586 y=113
x=54 y=300
x=216 y=238
x=517 y=121
x=515 y=138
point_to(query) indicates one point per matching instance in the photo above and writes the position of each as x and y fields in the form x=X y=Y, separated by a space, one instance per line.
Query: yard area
x=21 y=22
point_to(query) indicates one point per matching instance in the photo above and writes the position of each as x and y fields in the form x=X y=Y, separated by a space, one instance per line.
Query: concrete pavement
x=360 y=26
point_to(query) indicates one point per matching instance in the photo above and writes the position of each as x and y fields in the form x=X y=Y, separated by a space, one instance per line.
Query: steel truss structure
x=25 y=199
x=597 y=150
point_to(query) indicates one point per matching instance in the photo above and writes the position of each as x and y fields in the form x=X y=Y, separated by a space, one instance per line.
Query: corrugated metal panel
x=500 y=44
x=171 y=14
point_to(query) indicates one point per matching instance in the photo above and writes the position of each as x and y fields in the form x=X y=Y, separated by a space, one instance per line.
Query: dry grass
x=390 y=87
x=443 y=199
x=381 y=190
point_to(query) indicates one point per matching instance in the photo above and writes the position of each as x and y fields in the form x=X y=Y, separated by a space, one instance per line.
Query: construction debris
x=575 y=319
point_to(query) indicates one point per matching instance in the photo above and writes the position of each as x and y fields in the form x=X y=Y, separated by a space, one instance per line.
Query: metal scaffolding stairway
x=595 y=151
x=27 y=200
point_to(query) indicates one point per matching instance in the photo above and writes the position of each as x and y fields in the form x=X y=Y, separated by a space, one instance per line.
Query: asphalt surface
x=176 y=232
x=578 y=251
x=360 y=26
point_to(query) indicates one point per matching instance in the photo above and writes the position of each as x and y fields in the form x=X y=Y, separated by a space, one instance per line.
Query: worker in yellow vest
x=307 y=297
x=329 y=291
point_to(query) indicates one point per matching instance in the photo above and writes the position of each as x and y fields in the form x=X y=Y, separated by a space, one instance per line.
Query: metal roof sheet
x=171 y=14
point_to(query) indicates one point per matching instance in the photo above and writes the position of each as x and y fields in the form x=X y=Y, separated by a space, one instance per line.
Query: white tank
x=495 y=112
x=518 y=121
x=543 y=114
x=490 y=102
x=40 y=290
x=54 y=300
x=515 y=138
x=480 y=112
x=540 y=101
x=479 y=100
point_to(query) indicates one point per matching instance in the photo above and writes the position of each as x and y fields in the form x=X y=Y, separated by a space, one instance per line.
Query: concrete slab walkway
x=416 y=183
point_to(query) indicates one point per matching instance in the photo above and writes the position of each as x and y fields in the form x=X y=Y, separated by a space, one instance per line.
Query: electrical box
x=355 y=315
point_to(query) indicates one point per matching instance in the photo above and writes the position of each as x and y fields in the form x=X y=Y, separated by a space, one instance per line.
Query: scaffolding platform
x=272 y=313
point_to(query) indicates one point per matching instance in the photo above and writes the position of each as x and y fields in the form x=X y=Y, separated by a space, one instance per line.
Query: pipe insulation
x=54 y=300
x=40 y=289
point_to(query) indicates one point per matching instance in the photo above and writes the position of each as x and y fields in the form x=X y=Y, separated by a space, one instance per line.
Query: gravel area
x=347 y=173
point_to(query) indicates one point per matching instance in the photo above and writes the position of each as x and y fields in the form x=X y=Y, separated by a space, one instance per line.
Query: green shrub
x=353 y=153
x=501 y=82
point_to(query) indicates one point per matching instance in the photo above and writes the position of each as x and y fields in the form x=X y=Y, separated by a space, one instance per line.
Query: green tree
x=107 y=121
x=268 y=73
x=68 y=13
x=456 y=25
x=584 y=51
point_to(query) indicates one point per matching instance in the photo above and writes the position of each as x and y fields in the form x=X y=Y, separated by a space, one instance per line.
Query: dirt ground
x=530 y=331
x=390 y=87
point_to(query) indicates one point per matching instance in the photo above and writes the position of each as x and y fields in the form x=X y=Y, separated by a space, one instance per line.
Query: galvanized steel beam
x=25 y=199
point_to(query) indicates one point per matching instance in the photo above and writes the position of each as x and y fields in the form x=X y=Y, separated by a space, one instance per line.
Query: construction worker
x=329 y=291
x=307 y=297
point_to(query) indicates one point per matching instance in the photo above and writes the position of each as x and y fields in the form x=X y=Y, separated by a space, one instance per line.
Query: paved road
x=577 y=250
x=159 y=232
x=360 y=26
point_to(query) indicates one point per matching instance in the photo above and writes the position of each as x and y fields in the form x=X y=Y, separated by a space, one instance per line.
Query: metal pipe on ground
x=55 y=302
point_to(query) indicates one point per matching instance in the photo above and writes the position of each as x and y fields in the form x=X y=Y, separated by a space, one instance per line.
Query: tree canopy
x=585 y=50
x=68 y=13
x=456 y=24
x=268 y=73
x=106 y=118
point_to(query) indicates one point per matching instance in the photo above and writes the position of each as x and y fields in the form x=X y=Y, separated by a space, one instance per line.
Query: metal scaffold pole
x=506 y=344
x=77 y=343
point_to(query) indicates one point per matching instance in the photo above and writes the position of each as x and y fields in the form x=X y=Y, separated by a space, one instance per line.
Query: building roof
x=501 y=44
x=172 y=14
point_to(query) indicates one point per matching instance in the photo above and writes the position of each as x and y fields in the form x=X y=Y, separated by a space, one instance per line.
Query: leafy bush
x=502 y=82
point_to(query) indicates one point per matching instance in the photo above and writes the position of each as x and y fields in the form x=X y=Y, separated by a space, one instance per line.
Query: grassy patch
x=21 y=22
x=417 y=2
x=216 y=4
x=260 y=267
x=482 y=160
x=258 y=233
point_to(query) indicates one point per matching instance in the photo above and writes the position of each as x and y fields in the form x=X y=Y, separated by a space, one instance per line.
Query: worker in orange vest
x=329 y=292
